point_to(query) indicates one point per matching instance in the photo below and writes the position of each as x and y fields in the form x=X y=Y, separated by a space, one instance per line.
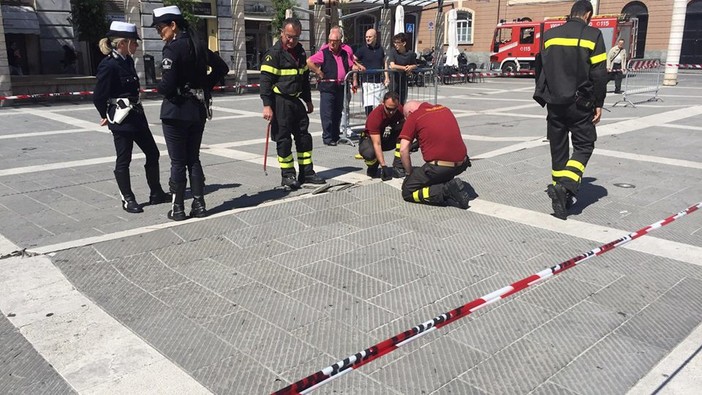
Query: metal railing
x=642 y=82
x=420 y=85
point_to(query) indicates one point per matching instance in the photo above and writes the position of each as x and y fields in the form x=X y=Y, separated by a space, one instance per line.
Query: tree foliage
x=280 y=6
x=186 y=7
x=89 y=17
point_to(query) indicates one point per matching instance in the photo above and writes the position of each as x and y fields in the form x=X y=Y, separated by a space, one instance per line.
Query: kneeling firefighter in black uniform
x=186 y=88
x=116 y=97
x=285 y=80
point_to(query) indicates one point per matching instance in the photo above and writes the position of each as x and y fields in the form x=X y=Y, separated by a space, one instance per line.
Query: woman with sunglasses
x=116 y=97
x=186 y=87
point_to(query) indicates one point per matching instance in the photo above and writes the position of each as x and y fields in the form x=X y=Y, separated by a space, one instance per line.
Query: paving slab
x=275 y=285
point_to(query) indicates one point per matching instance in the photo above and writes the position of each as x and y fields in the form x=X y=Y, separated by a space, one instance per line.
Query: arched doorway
x=691 y=51
x=638 y=10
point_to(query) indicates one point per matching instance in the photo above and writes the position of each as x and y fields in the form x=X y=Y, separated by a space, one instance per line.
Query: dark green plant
x=186 y=7
x=280 y=6
x=89 y=17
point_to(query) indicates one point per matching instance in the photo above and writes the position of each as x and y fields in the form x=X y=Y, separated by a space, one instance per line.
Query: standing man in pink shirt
x=331 y=63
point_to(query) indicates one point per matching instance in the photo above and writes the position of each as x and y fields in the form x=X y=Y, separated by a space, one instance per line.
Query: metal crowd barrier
x=643 y=79
x=421 y=85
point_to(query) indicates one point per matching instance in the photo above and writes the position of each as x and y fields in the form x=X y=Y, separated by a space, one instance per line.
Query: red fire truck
x=516 y=43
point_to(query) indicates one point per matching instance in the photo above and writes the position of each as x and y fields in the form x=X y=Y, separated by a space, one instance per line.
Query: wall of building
x=486 y=15
x=5 y=82
x=55 y=32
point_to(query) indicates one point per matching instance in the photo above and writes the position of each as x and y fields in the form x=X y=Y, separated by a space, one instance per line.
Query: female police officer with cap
x=116 y=97
x=186 y=88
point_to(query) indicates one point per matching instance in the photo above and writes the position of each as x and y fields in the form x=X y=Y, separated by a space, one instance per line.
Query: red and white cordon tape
x=639 y=65
x=684 y=66
x=89 y=93
x=458 y=75
x=490 y=74
x=314 y=381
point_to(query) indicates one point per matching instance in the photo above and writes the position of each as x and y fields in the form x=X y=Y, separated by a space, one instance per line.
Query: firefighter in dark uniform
x=571 y=82
x=116 y=97
x=186 y=87
x=444 y=153
x=284 y=83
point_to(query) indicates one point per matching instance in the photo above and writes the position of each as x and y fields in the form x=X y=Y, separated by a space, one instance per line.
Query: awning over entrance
x=521 y=2
x=260 y=18
x=393 y=3
x=20 y=20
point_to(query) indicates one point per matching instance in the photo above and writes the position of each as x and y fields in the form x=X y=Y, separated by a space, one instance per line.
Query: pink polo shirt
x=318 y=58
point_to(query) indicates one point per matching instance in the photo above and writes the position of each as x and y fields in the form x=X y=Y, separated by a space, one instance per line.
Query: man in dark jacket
x=285 y=80
x=571 y=82
x=372 y=57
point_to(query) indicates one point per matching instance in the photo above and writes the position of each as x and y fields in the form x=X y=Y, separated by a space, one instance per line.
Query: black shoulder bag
x=584 y=97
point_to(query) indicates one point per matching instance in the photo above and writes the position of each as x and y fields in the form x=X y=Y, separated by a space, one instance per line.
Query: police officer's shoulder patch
x=167 y=63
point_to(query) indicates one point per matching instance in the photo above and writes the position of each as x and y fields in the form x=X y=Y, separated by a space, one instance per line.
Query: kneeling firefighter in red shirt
x=443 y=150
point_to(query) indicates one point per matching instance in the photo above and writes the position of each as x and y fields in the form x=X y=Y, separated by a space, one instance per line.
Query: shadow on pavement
x=337 y=171
x=209 y=188
x=588 y=194
x=250 y=200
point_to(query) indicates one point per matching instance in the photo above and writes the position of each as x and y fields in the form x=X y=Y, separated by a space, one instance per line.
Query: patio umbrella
x=399 y=19
x=452 y=50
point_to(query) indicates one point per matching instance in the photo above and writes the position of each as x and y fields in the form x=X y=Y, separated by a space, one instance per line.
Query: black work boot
x=398 y=171
x=308 y=176
x=124 y=183
x=559 y=200
x=570 y=200
x=372 y=171
x=455 y=194
x=177 y=212
x=153 y=178
x=197 y=187
x=289 y=180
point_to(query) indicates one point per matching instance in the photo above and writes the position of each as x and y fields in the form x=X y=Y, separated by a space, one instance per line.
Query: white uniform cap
x=123 y=30
x=167 y=14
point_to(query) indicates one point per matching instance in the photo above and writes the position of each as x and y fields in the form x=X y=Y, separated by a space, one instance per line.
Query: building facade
x=38 y=31
x=478 y=19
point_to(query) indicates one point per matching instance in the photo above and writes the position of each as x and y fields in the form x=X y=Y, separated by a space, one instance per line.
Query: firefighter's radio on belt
x=516 y=44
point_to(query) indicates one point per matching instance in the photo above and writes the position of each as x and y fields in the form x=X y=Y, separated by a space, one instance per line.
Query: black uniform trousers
x=426 y=183
x=365 y=147
x=290 y=121
x=331 y=105
x=617 y=76
x=183 y=139
x=400 y=85
x=124 y=143
x=568 y=170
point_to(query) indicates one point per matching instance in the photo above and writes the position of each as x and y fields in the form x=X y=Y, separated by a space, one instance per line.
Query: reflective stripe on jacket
x=282 y=74
x=569 y=61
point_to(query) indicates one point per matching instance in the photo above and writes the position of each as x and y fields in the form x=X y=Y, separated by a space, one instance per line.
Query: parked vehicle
x=516 y=43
